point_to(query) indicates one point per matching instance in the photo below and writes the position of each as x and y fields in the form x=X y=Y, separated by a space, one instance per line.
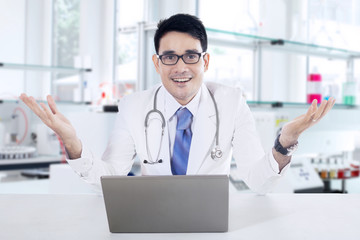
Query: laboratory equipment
x=14 y=126
x=17 y=152
x=236 y=180
x=303 y=177
x=336 y=167
x=2 y=133
x=47 y=142
x=10 y=144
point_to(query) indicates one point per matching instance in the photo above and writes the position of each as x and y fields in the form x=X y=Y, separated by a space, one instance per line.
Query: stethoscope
x=215 y=152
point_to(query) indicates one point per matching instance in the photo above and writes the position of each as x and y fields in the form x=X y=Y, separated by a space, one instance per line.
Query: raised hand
x=292 y=130
x=57 y=122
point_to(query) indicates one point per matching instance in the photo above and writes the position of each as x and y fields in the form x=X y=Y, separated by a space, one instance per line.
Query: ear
x=156 y=63
x=206 y=61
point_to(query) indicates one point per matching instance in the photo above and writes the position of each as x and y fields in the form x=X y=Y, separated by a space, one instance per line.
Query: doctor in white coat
x=221 y=126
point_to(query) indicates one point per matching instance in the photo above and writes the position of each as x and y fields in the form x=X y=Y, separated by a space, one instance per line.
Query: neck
x=184 y=102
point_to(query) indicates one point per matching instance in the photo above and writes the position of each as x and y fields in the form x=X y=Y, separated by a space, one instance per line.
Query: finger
x=47 y=112
x=33 y=105
x=23 y=96
x=55 y=110
x=329 y=105
x=311 y=111
x=333 y=100
x=52 y=104
x=320 y=110
x=25 y=99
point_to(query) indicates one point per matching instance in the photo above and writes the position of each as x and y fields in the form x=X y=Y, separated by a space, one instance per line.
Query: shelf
x=275 y=104
x=16 y=101
x=252 y=41
x=43 y=67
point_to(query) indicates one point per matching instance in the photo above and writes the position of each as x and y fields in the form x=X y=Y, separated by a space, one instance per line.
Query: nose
x=181 y=66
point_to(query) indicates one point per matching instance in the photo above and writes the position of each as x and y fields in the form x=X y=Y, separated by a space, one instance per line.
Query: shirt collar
x=171 y=105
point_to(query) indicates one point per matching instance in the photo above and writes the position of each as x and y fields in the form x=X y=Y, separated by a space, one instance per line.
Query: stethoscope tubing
x=215 y=153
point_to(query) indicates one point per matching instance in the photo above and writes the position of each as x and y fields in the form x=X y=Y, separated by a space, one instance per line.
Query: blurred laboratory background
x=88 y=54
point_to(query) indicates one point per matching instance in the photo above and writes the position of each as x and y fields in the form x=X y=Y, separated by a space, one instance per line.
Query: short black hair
x=184 y=23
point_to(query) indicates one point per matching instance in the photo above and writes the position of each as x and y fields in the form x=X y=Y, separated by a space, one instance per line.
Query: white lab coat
x=237 y=138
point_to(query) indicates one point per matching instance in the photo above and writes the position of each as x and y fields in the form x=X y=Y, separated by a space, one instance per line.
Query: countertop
x=271 y=216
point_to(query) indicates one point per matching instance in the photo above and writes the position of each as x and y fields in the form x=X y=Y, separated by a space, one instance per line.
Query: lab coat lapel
x=203 y=132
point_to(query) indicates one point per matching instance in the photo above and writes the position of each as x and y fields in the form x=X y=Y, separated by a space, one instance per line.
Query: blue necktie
x=182 y=142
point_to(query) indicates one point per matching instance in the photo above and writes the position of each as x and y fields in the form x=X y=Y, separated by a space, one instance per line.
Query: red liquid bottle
x=313 y=88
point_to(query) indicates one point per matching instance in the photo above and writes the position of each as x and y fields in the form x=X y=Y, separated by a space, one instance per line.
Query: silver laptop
x=196 y=203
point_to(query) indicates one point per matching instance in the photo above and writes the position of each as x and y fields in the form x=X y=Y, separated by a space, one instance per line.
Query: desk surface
x=273 y=216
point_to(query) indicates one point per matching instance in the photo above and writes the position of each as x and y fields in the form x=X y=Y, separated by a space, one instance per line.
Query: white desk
x=274 y=216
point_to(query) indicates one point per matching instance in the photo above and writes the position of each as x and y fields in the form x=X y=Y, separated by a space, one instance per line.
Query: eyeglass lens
x=189 y=58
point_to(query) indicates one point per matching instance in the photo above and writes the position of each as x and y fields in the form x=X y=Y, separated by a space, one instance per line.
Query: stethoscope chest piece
x=216 y=153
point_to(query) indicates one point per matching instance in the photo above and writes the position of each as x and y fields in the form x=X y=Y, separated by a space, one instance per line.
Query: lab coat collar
x=171 y=105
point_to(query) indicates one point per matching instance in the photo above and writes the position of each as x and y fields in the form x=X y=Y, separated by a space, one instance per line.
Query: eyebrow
x=192 y=51
x=168 y=52
x=186 y=51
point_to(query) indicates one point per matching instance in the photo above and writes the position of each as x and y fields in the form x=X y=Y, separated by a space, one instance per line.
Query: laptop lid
x=196 y=203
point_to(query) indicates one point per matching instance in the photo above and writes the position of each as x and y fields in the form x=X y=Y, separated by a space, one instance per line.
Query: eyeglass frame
x=181 y=56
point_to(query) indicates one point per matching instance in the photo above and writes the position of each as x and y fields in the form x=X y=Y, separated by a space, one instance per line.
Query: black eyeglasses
x=188 y=58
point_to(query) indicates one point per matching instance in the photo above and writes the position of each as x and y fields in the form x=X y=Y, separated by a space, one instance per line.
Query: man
x=184 y=126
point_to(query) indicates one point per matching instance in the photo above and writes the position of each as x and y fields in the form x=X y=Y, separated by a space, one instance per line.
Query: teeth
x=181 y=79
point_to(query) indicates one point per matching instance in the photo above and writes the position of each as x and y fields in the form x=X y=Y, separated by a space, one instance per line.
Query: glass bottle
x=313 y=87
x=324 y=170
x=333 y=171
x=341 y=173
x=347 y=170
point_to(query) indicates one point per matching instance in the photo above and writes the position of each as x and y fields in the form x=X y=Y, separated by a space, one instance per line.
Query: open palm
x=51 y=117
x=292 y=130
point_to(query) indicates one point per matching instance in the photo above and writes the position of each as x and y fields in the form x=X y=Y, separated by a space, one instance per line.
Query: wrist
x=73 y=148
x=287 y=141
x=288 y=149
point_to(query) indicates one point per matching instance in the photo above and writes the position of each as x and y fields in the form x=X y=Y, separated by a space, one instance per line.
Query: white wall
x=38 y=46
x=25 y=28
x=12 y=26
x=97 y=41
x=160 y=9
x=12 y=44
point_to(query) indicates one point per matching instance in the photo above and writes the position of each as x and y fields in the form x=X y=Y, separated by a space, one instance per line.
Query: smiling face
x=181 y=80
